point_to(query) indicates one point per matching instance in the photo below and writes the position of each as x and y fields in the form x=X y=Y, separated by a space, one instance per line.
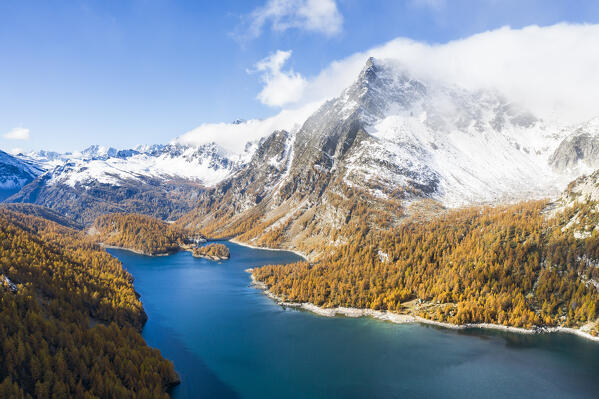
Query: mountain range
x=161 y=180
x=389 y=140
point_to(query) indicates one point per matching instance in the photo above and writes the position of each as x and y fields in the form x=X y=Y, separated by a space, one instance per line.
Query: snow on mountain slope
x=15 y=172
x=388 y=134
x=207 y=164
x=477 y=145
x=397 y=137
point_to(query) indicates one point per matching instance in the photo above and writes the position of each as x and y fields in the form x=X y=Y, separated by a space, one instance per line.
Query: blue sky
x=121 y=73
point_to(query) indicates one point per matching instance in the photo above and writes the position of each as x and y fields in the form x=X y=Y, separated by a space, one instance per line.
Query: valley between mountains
x=405 y=195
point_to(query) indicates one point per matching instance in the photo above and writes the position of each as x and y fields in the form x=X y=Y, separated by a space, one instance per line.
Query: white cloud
x=18 y=133
x=435 y=5
x=551 y=70
x=280 y=87
x=233 y=137
x=320 y=16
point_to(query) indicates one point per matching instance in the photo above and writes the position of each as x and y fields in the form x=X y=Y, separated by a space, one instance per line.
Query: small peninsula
x=212 y=252
x=142 y=234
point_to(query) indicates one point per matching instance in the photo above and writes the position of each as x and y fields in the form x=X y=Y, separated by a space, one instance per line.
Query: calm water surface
x=227 y=339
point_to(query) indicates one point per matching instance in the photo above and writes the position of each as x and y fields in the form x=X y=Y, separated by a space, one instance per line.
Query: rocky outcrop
x=579 y=149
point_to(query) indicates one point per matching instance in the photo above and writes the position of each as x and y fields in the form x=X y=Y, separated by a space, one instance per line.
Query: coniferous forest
x=510 y=265
x=212 y=251
x=70 y=319
x=141 y=233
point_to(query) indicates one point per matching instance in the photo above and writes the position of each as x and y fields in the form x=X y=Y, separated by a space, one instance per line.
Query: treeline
x=70 y=320
x=506 y=265
x=212 y=251
x=142 y=233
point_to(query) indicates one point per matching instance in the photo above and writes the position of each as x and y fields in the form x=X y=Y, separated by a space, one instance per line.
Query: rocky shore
x=408 y=318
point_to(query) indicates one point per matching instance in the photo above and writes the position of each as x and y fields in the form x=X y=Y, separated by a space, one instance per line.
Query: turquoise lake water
x=228 y=340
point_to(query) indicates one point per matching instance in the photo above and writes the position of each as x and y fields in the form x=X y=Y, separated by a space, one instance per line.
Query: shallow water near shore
x=227 y=339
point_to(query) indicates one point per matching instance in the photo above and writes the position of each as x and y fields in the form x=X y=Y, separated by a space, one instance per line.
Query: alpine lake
x=229 y=340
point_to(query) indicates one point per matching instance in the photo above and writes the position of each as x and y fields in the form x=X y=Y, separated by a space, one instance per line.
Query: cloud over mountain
x=549 y=70
x=519 y=63
x=280 y=87
x=234 y=136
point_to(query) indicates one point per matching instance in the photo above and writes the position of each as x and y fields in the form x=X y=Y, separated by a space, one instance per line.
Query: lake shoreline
x=243 y=244
x=232 y=240
x=135 y=251
x=398 y=318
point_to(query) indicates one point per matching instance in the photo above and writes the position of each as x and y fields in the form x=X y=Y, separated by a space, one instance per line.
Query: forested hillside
x=141 y=233
x=70 y=320
x=42 y=212
x=507 y=265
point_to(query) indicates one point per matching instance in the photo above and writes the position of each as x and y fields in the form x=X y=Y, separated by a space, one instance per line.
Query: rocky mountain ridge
x=389 y=140
x=579 y=150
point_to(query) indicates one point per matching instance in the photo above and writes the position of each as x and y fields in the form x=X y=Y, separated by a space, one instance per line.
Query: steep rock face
x=266 y=167
x=579 y=150
x=389 y=139
x=336 y=145
x=252 y=183
x=15 y=173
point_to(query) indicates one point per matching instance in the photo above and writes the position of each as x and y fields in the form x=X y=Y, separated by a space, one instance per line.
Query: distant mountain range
x=161 y=180
x=206 y=165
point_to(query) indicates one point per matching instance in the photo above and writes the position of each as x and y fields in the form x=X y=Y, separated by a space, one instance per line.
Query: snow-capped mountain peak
x=98 y=152
x=389 y=131
x=471 y=146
